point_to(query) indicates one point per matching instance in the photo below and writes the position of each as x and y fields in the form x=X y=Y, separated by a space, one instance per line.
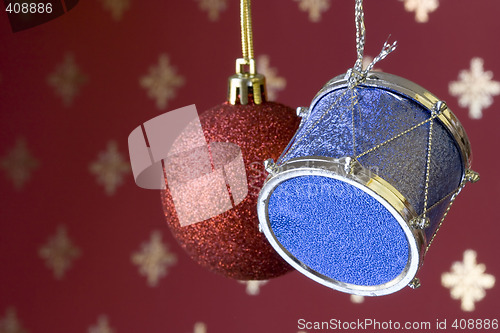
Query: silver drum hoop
x=353 y=173
x=412 y=91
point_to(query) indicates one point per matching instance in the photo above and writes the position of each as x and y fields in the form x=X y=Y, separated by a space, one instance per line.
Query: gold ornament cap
x=246 y=84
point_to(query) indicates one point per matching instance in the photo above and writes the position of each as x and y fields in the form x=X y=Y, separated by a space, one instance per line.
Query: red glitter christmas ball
x=230 y=243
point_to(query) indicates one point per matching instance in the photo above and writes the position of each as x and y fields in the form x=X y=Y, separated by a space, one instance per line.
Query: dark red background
x=114 y=55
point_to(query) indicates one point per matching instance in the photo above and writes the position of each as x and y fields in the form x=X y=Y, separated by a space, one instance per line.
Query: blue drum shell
x=380 y=113
x=341 y=202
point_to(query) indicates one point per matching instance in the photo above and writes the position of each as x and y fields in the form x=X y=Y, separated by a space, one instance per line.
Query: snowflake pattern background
x=274 y=82
x=19 y=164
x=213 y=8
x=59 y=253
x=117 y=8
x=72 y=89
x=468 y=281
x=422 y=8
x=110 y=168
x=67 y=79
x=315 y=8
x=162 y=82
x=102 y=326
x=10 y=323
x=253 y=286
x=154 y=259
x=475 y=88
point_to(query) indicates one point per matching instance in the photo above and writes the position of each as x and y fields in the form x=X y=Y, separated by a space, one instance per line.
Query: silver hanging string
x=386 y=49
x=359 y=17
x=356 y=74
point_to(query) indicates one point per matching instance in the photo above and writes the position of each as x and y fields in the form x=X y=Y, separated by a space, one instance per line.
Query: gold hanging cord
x=246 y=83
x=246 y=30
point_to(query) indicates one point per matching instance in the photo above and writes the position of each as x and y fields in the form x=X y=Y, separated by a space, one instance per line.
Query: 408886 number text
x=475 y=324
x=31 y=8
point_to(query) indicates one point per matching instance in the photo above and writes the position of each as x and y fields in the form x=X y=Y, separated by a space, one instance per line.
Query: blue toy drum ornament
x=357 y=197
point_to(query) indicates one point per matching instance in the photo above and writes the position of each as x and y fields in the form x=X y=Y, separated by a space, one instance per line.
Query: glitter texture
x=230 y=243
x=378 y=116
x=350 y=237
x=338 y=230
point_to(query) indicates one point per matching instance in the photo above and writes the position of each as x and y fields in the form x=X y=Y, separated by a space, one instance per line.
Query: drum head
x=340 y=229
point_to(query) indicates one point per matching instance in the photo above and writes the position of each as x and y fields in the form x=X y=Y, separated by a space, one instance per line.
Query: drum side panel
x=326 y=132
x=379 y=116
x=338 y=230
x=436 y=213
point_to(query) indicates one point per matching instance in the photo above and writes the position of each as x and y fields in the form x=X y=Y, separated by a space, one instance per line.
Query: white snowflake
x=253 y=286
x=116 y=7
x=18 y=164
x=153 y=259
x=274 y=83
x=101 y=327
x=213 y=7
x=10 y=323
x=200 y=327
x=314 y=7
x=162 y=82
x=67 y=80
x=475 y=88
x=357 y=299
x=422 y=8
x=110 y=168
x=59 y=253
x=468 y=280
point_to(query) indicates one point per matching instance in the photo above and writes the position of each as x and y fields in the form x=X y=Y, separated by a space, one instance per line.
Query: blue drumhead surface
x=338 y=230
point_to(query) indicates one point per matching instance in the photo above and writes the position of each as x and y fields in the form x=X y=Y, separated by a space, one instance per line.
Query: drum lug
x=348 y=165
x=351 y=164
x=270 y=166
x=471 y=176
x=421 y=222
x=439 y=107
x=415 y=283
x=302 y=112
